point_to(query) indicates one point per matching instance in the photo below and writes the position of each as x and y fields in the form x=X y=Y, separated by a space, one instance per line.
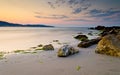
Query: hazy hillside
x=7 y=24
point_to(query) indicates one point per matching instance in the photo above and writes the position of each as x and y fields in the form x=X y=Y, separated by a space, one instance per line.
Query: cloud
x=81 y=8
x=110 y=15
x=37 y=12
x=53 y=17
x=51 y=5
x=103 y=13
x=76 y=6
x=114 y=17
x=77 y=10
x=79 y=19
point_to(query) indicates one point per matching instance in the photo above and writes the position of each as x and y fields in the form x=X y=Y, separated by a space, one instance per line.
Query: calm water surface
x=13 y=38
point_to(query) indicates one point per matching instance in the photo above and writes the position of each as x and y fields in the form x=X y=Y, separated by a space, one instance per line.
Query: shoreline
x=47 y=63
x=40 y=62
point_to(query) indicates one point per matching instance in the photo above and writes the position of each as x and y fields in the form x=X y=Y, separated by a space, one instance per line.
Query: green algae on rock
x=48 y=47
x=81 y=37
x=19 y=51
x=2 y=55
x=109 y=45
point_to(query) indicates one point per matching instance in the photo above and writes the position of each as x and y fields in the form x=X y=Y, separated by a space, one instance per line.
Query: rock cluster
x=112 y=31
x=110 y=42
x=99 y=27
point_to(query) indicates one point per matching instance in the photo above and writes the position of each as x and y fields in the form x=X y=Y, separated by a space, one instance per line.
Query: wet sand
x=47 y=63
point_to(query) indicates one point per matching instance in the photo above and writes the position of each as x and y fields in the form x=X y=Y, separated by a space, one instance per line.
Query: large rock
x=48 y=47
x=109 y=45
x=85 y=44
x=81 y=37
x=67 y=50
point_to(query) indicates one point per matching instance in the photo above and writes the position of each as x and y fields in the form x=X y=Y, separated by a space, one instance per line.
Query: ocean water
x=47 y=62
x=14 y=38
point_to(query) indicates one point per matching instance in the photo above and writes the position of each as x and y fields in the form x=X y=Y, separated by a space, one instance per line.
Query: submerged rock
x=48 y=47
x=81 y=37
x=85 y=44
x=40 y=45
x=80 y=33
x=100 y=27
x=109 y=45
x=90 y=34
x=67 y=50
x=55 y=40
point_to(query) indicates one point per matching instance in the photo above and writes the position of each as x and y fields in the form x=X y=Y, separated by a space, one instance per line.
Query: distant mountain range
x=7 y=24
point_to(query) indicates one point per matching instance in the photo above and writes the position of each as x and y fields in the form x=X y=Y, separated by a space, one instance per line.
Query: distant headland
x=7 y=24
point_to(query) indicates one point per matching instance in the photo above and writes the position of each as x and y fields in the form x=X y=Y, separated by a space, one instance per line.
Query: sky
x=61 y=12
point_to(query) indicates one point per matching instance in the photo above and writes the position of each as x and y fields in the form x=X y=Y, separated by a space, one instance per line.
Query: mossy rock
x=81 y=37
x=48 y=47
x=19 y=51
x=1 y=55
x=109 y=45
x=38 y=48
x=40 y=45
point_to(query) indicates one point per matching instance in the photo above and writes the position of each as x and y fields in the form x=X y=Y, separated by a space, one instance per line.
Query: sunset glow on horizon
x=61 y=12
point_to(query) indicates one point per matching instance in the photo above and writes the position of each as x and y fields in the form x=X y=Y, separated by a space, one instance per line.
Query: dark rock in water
x=100 y=27
x=48 y=47
x=109 y=45
x=80 y=33
x=67 y=50
x=55 y=40
x=91 y=28
x=40 y=45
x=106 y=28
x=85 y=44
x=113 y=31
x=90 y=34
x=81 y=37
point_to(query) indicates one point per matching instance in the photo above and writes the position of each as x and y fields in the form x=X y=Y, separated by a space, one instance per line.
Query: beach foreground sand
x=86 y=62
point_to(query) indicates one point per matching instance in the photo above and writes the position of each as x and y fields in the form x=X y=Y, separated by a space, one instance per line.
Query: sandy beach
x=47 y=63
x=41 y=62
x=59 y=37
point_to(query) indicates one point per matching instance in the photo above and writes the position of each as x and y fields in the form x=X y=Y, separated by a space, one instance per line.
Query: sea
x=17 y=38
x=86 y=62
